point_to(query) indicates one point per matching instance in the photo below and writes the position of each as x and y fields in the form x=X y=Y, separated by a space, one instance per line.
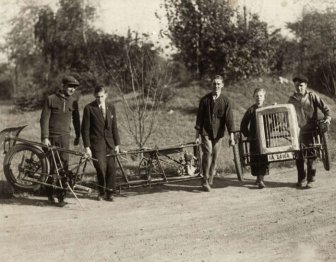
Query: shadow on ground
x=24 y=200
x=220 y=182
x=191 y=186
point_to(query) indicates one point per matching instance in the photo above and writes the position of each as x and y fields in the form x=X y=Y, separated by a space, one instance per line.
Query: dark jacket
x=248 y=127
x=306 y=109
x=213 y=116
x=56 y=116
x=96 y=130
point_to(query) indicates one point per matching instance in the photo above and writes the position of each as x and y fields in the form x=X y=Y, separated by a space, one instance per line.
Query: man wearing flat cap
x=58 y=111
x=307 y=104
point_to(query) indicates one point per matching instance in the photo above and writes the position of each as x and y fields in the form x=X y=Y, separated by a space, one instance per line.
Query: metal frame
x=152 y=162
x=242 y=155
x=153 y=171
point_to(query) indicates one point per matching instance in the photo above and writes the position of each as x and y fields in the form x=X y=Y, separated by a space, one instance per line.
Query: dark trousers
x=259 y=164
x=309 y=173
x=106 y=170
x=305 y=174
x=64 y=142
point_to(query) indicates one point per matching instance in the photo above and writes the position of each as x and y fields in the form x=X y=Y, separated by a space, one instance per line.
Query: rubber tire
x=12 y=178
x=238 y=163
x=325 y=151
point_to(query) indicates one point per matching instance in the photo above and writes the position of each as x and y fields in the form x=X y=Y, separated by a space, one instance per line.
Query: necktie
x=103 y=109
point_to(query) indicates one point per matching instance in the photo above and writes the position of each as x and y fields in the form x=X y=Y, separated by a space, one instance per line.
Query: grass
x=177 y=118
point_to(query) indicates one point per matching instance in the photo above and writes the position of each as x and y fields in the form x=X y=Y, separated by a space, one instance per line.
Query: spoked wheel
x=325 y=152
x=238 y=162
x=144 y=169
x=25 y=166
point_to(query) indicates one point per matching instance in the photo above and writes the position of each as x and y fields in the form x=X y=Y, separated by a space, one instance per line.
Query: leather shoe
x=299 y=185
x=51 y=200
x=109 y=198
x=309 y=185
x=206 y=187
x=261 y=184
x=61 y=201
x=99 y=198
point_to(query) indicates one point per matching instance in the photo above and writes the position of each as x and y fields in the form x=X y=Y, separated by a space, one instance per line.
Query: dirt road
x=234 y=222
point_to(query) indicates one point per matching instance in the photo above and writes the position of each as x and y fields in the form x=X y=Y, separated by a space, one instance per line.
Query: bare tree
x=142 y=88
x=133 y=65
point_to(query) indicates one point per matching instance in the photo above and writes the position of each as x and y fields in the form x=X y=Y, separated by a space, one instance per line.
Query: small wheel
x=325 y=152
x=144 y=169
x=238 y=162
x=25 y=166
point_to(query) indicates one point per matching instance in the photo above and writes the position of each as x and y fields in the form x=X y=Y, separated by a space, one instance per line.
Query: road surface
x=233 y=222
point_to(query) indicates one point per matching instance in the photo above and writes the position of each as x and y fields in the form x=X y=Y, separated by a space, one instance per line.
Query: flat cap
x=300 y=78
x=70 y=81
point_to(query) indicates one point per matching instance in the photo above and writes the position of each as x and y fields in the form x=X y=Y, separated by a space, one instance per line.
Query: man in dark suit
x=100 y=137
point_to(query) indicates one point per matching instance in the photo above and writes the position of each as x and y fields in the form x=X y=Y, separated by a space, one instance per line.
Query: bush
x=29 y=102
x=6 y=85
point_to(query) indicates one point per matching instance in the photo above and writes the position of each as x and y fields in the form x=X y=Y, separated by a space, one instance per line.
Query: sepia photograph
x=167 y=130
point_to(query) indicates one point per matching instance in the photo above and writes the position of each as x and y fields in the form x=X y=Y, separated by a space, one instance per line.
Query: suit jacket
x=98 y=132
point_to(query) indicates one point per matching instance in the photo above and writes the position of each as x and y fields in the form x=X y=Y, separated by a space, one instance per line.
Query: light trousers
x=210 y=152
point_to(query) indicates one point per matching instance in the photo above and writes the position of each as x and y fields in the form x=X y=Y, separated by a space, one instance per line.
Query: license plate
x=280 y=156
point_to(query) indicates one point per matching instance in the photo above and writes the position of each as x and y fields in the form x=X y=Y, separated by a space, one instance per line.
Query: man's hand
x=76 y=141
x=46 y=141
x=326 y=121
x=197 y=140
x=232 y=140
x=88 y=152
x=197 y=137
x=117 y=149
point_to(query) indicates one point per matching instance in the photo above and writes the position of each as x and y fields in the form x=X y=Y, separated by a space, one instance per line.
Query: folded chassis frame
x=154 y=164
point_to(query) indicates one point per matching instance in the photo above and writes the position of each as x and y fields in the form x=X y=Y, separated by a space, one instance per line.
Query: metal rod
x=68 y=186
x=60 y=149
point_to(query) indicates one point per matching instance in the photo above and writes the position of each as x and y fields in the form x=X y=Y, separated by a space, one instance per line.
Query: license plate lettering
x=280 y=156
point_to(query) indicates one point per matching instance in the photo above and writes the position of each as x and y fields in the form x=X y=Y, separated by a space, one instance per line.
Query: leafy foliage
x=316 y=48
x=111 y=55
x=65 y=41
x=22 y=52
x=6 y=85
x=62 y=36
x=214 y=39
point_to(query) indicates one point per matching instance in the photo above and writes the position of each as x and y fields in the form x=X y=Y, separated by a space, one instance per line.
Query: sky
x=116 y=16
